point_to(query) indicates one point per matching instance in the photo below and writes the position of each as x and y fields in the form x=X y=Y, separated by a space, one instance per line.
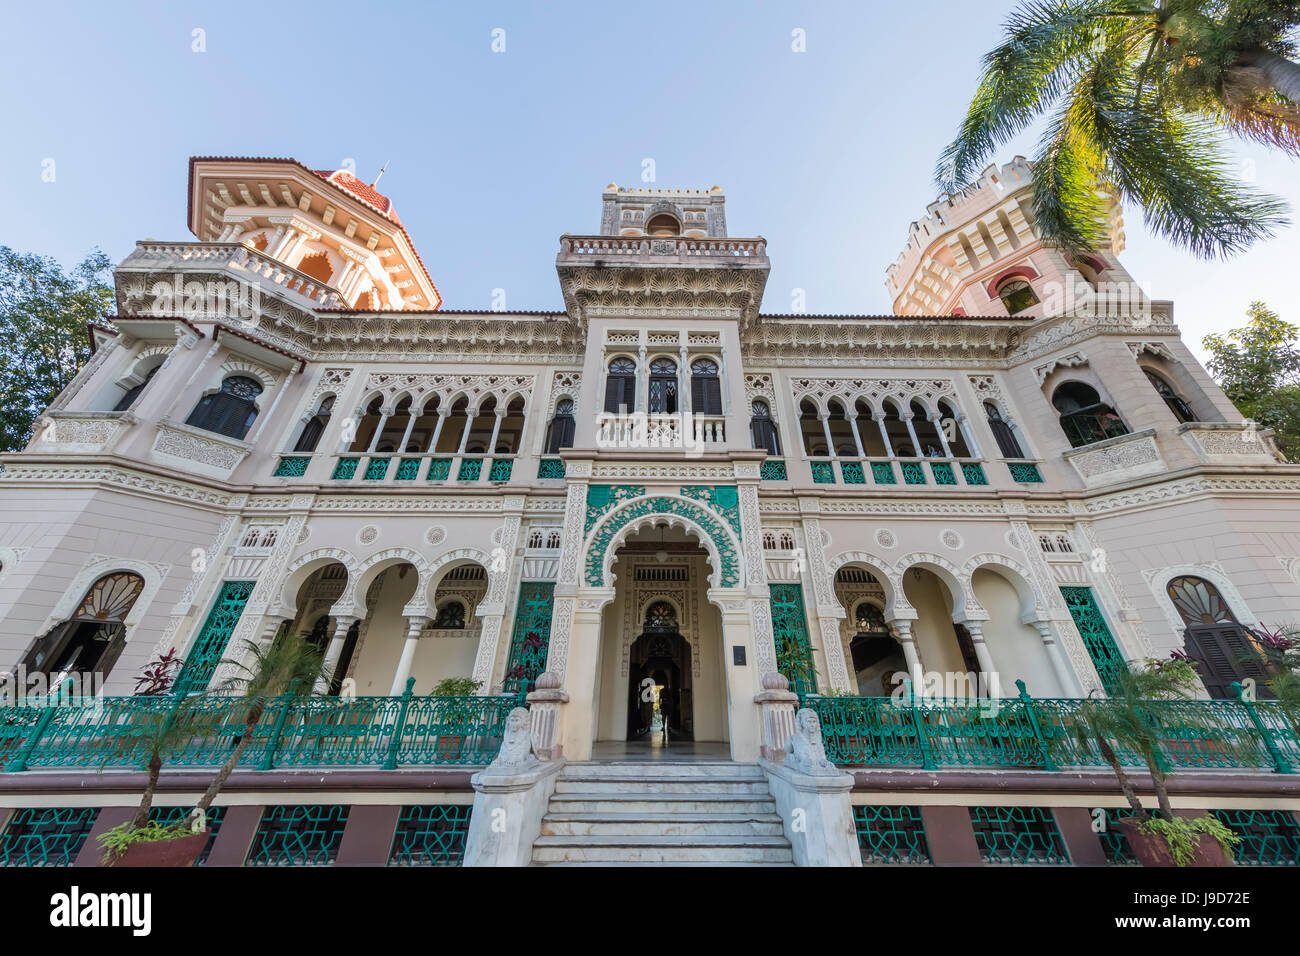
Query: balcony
x=896 y=472
x=319 y=731
x=681 y=431
x=390 y=469
x=84 y=433
x=1127 y=456
x=1230 y=443
x=231 y=258
x=1024 y=733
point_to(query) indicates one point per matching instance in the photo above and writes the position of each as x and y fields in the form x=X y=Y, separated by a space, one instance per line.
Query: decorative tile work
x=728 y=574
x=298 y=836
x=973 y=472
x=822 y=472
x=600 y=498
x=721 y=498
x=376 y=470
x=50 y=836
x=345 y=468
x=439 y=469
x=1018 y=835
x=431 y=835
x=773 y=470
x=891 y=835
x=790 y=633
x=470 y=469
x=500 y=470
x=408 y=470
x=291 y=467
x=550 y=468
x=851 y=472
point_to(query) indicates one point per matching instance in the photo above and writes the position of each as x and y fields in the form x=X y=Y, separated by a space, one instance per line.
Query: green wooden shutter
x=210 y=645
x=1097 y=638
x=790 y=633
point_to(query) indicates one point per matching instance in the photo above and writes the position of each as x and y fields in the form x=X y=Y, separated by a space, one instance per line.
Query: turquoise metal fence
x=1023 y=732
x=317 y=731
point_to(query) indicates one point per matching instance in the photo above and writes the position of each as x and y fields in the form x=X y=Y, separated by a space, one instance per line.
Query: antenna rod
x=381 y=173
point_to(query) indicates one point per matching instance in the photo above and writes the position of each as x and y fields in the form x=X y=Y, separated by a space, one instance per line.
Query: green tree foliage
x=43 y=339
x=1258 y=367
x=1136 y=94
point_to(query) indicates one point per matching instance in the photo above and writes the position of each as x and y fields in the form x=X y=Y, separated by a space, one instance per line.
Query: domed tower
x=980 y=253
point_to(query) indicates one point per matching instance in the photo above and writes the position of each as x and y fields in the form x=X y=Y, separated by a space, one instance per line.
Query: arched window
x=661 y=616
x=900 y=439
x=1017 y=295
x=1084 y=417
x=451 y=616
x=620 y=386
x=559 y=434
x=90 y=641
x=954 y=429
x=317 y=265
x=231 y=411
x=663 y=387
x=132 y=393
x=762 y=430
x=927 y=435
x=870 y=619
x=1182 y=411
x=706 y=388
x=663 y=224
x=1002 y=433
x=1225 y=651
x=315 y=426
x=810 y=429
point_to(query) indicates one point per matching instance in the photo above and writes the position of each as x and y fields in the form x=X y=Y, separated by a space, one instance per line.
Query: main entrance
x=660 y=691
x=662 y=685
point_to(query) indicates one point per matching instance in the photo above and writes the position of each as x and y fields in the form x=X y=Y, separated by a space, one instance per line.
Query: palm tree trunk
x=146 y=801
x=1125 y=785
x=1158 y=782
x=232 y=761
x=1280 y=73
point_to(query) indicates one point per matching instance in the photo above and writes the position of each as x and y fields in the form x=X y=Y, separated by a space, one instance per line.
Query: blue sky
x=826 y=153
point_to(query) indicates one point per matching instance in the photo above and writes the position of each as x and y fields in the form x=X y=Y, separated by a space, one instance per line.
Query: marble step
x=661 y=824
x=661 y=849
x=589 y=802
x=627 y=770
x=586 y=784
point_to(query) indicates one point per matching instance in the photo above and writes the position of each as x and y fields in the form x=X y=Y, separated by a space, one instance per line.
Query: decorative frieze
x=1229 y=443
x=199 y=447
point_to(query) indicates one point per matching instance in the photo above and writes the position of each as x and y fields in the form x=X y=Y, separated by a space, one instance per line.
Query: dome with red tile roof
x=366 y=193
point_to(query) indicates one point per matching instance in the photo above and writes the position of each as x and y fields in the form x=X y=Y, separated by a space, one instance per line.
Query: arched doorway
x=660 y=689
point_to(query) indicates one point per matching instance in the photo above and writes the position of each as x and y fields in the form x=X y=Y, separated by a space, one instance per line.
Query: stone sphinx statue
x=516 y=753
x=804 y=750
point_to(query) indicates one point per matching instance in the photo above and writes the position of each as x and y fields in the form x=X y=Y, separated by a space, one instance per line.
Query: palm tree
x=155 y=734
x=1128 y=719
x=1136 y=93
x=289 y=667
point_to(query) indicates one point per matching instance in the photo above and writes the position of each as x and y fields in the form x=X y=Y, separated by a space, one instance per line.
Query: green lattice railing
x=1029 y=733
x=317 y=731
x=431 y=835
x=772 y=470
x=291 y=467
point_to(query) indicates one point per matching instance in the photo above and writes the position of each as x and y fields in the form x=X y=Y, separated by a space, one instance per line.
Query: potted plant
x=1131 y=719
x=154 y=734
x=455 y=712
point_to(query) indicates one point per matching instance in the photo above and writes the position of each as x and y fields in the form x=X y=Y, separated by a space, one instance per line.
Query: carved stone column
x=827 y=609
x=491 y=611
x=414 y=625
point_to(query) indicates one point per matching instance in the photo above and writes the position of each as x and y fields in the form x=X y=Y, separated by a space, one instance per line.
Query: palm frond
x=1047 y=44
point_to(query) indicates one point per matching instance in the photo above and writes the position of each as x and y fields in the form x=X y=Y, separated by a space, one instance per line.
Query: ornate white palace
x=1023 y=473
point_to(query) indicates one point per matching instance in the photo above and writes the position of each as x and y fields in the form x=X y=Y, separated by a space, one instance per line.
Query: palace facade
x=659 y=503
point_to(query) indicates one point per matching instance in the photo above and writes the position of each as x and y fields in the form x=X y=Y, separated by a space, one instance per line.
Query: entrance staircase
x=662 y=814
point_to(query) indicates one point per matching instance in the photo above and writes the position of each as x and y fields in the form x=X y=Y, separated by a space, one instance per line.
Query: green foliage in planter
x=1180 y=834
x=455 y=687
x=116 y=841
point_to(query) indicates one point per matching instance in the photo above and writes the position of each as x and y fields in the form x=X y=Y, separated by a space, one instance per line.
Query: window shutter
x=614 y=393
x=629 y=392
x=1226 y=655
x=698 y=401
